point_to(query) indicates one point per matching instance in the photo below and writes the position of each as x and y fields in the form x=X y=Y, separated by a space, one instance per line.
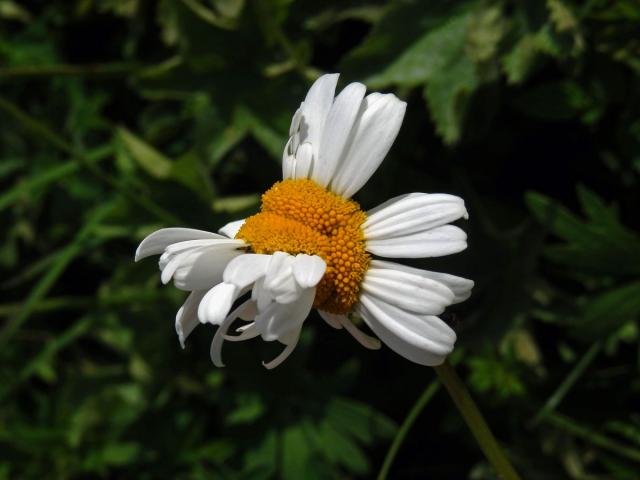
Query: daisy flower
x=312 y=247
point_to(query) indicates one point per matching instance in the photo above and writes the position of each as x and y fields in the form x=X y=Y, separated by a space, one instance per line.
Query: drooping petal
x=279 y=281
x=425 y=340
x=363 y=339
x=219 y=337
x=216 y=303
x=279 y=319
x=290 y=341
x=231 y=229
x=415 y=212
x=156 y=242
x=187 y=316
x=337 y=131
x=374 y=132
x=436 y=242
x=410 y=292
x=461 y=287
x=308 y=270
x=204 y=268
x=331 y=318
x=245 y=269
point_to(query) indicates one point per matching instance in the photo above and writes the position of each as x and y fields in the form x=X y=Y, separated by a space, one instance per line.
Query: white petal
x=219 y=337
x=187 y=317
x=260 y=295
x=290 y=347
x=332 y=319
x=304 y=161
x=204 y=269
x=295 y=121
x=279 y=319
x=248 y=332
x=198 y=264
x=231 y=229
x=374 y=133
x=216 y=303
x=412 y=213
x=155 y=243
x=436 y=242
x=308 y=270
x=172 y=264
x=279 y=281
x=288 y=161
x=410 y=292
x=423 y=340
x=245 y=269
x=315 y=108
x=363 y=339
x=337 y=132
x=461 y=287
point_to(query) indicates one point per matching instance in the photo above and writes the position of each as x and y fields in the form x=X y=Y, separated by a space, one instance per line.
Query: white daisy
x=311 y=246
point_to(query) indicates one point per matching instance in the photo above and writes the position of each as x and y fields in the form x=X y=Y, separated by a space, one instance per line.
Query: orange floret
x=299 y=216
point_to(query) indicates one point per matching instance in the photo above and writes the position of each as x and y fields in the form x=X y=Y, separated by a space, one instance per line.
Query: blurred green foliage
x=122 y=116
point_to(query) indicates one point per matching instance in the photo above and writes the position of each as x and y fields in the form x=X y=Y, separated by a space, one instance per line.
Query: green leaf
x=606 y=312
x=448 y=95
x=427 y=57
x=340 y=449
x=295 y=453
x=150 y=159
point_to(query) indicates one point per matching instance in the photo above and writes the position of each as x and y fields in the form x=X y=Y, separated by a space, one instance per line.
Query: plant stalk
x=476 y=422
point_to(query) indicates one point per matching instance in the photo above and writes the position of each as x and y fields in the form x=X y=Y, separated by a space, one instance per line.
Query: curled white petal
x=187 y=316
x=308 y=270
x=331 y=318
x=277 y=319
x=245 y=269
x=290 y=347
x=363 y=339
x=216 y=303
x=219 y=337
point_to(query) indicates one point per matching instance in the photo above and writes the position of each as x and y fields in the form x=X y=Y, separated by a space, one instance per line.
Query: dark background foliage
x=119 y=117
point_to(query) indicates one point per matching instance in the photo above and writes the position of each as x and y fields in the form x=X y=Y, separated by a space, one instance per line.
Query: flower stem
x=417 y=408
x=476 y=423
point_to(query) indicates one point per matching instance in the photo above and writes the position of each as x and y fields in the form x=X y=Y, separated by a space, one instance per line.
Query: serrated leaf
x=427 y=57
x=448 y=94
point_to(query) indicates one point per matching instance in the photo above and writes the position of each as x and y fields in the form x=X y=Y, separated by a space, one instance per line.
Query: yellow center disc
x=299 y=216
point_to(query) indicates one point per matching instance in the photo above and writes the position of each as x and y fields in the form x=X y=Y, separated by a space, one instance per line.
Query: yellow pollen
x=299 y=216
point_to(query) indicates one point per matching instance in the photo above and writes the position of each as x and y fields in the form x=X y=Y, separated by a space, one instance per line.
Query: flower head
x=311 y=246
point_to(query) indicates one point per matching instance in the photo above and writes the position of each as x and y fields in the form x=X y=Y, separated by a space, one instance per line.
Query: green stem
x=591 y=436
x=557 y=396
x=476 y=422
x=417 y=408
